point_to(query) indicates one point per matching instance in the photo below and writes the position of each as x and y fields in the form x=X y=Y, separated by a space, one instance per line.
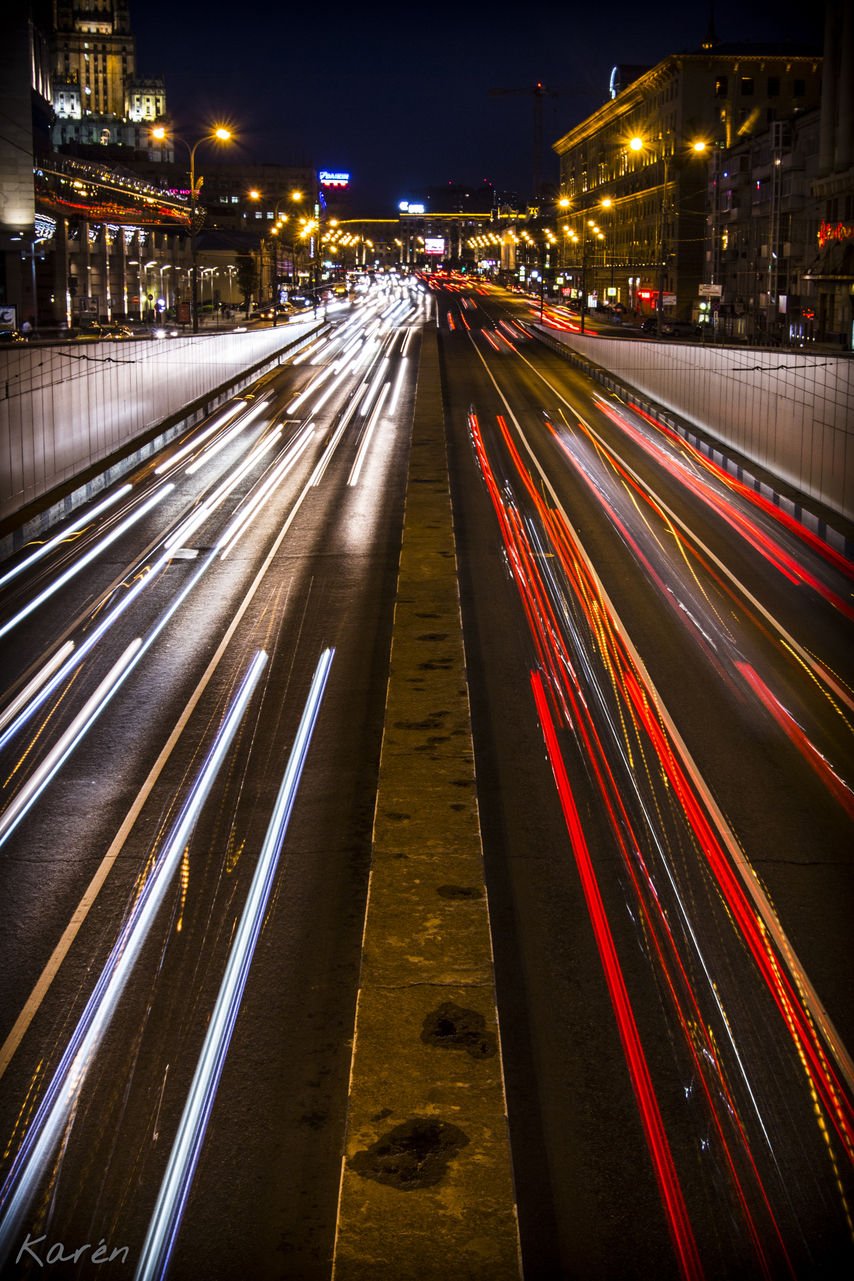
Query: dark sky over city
x=398 y=94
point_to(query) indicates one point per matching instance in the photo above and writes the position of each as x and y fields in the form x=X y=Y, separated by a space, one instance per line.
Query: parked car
x=680 y=329
x=97 y=332
x=11 y=335
x=670 y=328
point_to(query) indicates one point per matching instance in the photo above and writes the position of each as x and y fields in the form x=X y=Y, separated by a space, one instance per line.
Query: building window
x=721 y=87
x=799 y=88
x=746 y=86
x=773 y=86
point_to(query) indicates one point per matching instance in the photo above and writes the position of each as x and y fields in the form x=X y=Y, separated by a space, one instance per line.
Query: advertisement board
x=434 y=245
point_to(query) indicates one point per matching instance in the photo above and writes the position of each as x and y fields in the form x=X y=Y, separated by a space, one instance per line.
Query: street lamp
x=694 y=148
x=280 y=220
x=218 y=134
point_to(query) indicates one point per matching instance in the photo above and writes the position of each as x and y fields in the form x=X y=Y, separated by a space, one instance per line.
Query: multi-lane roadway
x=660 y=674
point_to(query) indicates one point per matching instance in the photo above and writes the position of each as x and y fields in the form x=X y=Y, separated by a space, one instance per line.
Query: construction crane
x=539 y=92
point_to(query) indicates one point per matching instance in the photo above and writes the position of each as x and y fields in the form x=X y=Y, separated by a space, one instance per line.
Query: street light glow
x=636 y=144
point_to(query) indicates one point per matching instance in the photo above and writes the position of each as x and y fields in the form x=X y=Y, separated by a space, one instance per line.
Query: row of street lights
x=218 y=134
x=638 y=144
x=308 y=227
x=588 y=233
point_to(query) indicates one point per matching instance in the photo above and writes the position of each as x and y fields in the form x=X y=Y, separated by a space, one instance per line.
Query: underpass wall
x=66 y=408
x=789 y=412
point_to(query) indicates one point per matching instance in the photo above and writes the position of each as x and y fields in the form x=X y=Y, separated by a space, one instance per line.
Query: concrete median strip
x=426 y=1183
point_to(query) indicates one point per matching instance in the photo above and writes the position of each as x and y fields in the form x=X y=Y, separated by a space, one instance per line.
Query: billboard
x=434 y=245
x=333 y=178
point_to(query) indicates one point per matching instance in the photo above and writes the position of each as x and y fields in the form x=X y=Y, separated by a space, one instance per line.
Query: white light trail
x=60 y=1098
x=363 y=447
x=398 y=386
x=316 y=382
x=183 y=1158
x=317 y=474
x=235 y=429
x=248 y=513
x=307 y=351
x=218 y=422
x=41 y=776
x=33 y=686
x=77 y=657
x=182 y=532
x=218 y=497
x=148 y=640
x=66 y=534
x=88 y=558
x=379 y=377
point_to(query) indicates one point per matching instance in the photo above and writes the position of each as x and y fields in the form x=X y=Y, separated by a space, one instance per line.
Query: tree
x=247 y=278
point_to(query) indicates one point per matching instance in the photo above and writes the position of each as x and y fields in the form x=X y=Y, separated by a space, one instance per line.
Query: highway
x=272 y=529
x=660 y=674
x=666 y=805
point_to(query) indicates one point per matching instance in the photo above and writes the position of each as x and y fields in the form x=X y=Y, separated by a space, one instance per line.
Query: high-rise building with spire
x=97 y=95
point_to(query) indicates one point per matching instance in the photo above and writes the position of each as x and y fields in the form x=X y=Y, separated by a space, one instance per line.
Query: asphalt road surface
x=660 y=672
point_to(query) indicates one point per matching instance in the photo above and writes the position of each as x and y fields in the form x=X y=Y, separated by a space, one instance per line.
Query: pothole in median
x=413 y=1155
x=452 y=1027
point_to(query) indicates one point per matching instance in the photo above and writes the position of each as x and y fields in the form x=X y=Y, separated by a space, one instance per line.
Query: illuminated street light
x=217 y=134
x=696 y=147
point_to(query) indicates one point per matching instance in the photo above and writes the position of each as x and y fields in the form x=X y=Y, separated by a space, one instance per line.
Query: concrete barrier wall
x=791 y=413
x=68 y=407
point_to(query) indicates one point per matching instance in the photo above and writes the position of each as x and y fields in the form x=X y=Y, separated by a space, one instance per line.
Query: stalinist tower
x=94 y=46
x=97 y=95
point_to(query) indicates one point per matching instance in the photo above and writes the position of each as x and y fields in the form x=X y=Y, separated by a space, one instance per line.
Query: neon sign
x=329 y=179
x=835 y=231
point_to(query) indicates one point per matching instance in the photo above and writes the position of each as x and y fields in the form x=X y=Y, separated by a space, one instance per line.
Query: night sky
x=398 y=94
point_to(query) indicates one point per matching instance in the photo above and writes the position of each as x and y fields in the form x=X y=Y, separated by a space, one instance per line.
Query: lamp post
x=694 y=148
x=280 y=220
x=595 y=233
x=217 y=134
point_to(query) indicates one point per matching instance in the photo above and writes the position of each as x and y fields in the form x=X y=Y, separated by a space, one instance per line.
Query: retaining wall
x=69 y=407
x=791 y=413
